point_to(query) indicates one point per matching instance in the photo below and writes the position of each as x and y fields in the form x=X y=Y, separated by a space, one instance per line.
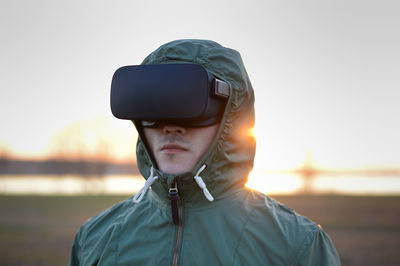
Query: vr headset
x=183 y=94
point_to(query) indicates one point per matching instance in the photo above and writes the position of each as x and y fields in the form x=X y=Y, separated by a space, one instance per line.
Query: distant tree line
x=85 y=148
x=64 y=167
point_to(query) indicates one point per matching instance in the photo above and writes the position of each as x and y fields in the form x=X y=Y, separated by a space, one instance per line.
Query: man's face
x=177 y=149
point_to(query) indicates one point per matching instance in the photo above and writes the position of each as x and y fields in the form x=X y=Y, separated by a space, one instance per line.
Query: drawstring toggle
x=201 y=183
x=139 y=196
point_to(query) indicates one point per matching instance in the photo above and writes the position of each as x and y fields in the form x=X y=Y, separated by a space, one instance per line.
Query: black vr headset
x=184 y=94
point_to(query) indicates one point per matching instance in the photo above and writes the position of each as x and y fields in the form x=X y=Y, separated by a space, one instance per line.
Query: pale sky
x=326 y=74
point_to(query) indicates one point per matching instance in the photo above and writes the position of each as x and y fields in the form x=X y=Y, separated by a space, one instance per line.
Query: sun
x=269 y=183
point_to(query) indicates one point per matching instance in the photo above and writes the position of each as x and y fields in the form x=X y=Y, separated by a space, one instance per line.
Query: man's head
x=227 y=149
x=177 y=149
x=176 y=108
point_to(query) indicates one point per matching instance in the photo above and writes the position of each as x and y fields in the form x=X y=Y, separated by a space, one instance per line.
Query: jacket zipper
x=176 y=208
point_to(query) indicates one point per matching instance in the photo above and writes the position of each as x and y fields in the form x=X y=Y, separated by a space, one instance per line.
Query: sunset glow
x=273 y=184
x=325 y=82
x=276 y=170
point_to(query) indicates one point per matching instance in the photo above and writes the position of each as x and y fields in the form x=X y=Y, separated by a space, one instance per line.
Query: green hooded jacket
x=239 y=227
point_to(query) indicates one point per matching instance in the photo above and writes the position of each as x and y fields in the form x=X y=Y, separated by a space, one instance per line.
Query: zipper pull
x=174 y=197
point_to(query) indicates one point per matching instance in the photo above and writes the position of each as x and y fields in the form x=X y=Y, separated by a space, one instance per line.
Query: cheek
x=211 y=132
x=150 y=136
x=207 y=138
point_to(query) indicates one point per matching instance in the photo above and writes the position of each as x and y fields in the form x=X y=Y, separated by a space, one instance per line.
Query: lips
x=173 y=147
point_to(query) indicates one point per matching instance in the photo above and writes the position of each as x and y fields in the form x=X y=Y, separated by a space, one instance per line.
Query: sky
x=326 y=74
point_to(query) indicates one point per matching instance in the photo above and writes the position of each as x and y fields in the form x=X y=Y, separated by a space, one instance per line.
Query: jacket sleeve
x=319 y=250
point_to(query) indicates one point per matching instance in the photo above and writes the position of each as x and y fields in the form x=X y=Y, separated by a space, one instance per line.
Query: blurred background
x=326 y=79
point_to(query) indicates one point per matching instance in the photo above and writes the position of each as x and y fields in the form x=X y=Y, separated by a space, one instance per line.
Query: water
x=270 y=184
x=338 y=184
x=70 y=185
x=387 y=185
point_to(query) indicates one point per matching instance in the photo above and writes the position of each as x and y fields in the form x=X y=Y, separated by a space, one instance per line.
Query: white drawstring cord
x=139 y=196
x=202 y=185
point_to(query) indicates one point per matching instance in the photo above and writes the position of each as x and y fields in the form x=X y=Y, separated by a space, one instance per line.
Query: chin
x=174 y=169
x=175 y=165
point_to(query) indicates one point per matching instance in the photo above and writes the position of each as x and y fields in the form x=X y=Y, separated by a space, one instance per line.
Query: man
x=194 y=208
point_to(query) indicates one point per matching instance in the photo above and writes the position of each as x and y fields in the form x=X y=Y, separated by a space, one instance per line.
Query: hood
x=230 y=157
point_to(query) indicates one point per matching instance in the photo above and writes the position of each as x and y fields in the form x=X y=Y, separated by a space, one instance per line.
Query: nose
x=173 y=129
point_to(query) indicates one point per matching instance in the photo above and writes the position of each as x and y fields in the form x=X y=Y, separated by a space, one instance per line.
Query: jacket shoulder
x=266 y=208
x=98 y=234
x=107 y=217
x=293 y=238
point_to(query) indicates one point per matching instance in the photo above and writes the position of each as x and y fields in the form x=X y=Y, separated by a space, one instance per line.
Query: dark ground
x=39 y=230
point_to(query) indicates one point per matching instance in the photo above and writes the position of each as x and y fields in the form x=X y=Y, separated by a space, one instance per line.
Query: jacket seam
x=82 y=241
x=117 y=245
x=240 y=238
x=304 y=246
